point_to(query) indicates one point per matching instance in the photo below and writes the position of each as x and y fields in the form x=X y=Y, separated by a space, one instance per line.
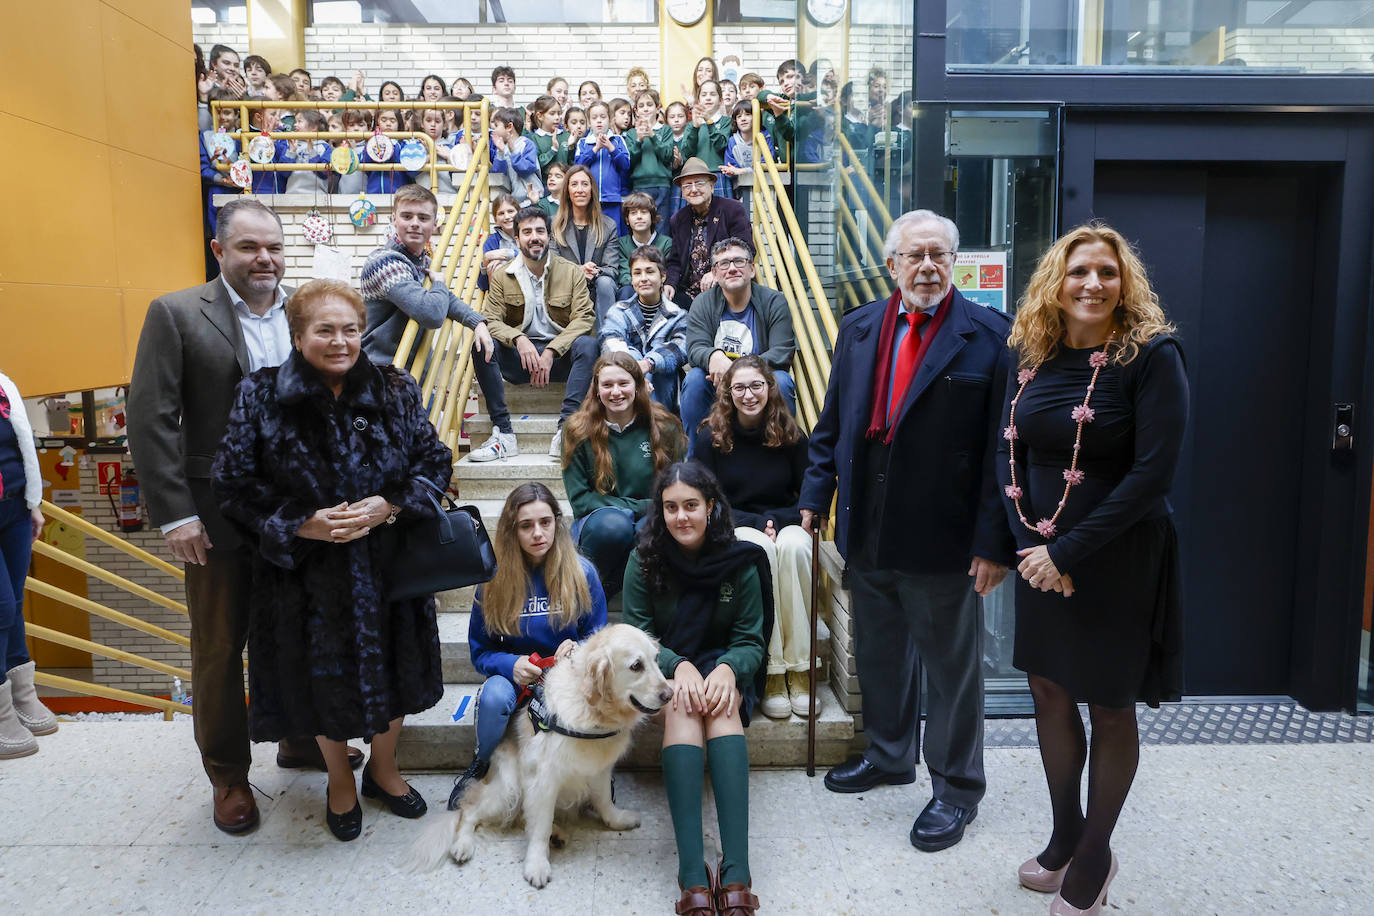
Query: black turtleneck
x=761 y=483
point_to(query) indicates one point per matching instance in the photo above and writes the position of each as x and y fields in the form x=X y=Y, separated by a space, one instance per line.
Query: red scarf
x=878 y=426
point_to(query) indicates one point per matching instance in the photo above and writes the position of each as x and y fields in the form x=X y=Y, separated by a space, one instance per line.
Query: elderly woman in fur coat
x=320 y=455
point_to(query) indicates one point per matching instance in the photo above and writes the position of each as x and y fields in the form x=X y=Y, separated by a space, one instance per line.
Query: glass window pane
x=1283 y=36
x=428 y=11
x=570 y=11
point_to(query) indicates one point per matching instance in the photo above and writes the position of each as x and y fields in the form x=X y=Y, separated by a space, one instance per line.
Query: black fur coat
x=328 y=655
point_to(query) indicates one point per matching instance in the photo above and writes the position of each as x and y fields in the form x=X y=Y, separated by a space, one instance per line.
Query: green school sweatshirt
x=632 y=459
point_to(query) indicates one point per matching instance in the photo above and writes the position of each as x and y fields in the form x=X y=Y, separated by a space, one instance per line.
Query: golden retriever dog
x=608 y=686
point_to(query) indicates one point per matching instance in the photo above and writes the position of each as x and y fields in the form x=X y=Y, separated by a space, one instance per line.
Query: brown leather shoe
x=698 y=900
x=295 y=755
x=736 y=900
x=236 y=811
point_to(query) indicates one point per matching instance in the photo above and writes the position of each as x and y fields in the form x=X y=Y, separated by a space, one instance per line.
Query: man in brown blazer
x=541 y=316
x=195 y=346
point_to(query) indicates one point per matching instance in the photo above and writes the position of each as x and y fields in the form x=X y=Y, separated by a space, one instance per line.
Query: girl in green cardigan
x=707 y=598
x=612 y=447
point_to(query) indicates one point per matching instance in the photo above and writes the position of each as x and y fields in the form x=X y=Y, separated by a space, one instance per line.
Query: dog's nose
x=665 y=694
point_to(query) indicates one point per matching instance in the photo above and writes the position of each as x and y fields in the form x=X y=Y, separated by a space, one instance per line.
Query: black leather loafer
x=858 y=775
x=408 y=805
x=308 y=757
x=940 y=826
x=345 y=826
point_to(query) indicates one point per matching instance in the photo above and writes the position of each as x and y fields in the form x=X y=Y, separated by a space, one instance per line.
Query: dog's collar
x=545 y=721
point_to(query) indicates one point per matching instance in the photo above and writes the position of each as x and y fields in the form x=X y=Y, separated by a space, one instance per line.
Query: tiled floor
x=113 y=817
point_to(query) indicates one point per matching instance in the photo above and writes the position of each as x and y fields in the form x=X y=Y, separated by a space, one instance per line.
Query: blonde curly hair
x=1039 y=325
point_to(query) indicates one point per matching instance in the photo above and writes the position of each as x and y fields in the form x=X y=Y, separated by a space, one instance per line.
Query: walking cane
x=816 y=523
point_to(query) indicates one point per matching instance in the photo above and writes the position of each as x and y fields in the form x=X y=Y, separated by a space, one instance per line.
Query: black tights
x=1086 y=839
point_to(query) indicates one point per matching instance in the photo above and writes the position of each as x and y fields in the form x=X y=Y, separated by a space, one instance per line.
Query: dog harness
x=545 y=721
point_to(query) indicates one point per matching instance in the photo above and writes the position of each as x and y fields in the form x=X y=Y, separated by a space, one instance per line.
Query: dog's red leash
x=540 y=662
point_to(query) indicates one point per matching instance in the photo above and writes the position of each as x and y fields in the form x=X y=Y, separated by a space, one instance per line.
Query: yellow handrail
x=61 y=556
x=39 y=587
x=100 y=534
x=110 y=693
x=85 y=645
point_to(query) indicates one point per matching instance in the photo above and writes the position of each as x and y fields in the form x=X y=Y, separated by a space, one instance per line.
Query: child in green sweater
x=707 y=598
x=651 y=154
x=613 y=445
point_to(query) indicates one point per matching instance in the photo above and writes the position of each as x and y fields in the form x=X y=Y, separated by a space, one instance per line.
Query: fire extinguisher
x=130 y=512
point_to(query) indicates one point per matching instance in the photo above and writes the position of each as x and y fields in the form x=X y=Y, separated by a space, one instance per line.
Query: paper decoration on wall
x=241 y=173
x=344 y=160
x=219 y=146
x=262 y=149
x=380 y=147
x=362 y=213
x=316 y=228
x=414 y=155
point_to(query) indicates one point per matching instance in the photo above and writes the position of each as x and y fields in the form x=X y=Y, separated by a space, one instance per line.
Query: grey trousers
x=900 y=619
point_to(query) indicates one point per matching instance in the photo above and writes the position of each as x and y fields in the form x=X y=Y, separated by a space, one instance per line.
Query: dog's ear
x=599 y=679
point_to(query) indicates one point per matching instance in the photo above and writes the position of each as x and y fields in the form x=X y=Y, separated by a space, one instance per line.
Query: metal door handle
x=1343 y=428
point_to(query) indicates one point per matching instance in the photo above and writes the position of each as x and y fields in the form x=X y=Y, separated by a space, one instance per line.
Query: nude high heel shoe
x=1060 y=907
x=1037 y=877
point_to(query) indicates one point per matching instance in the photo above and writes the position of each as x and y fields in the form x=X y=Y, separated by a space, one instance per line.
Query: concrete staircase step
x=533 y=432
x=435 y=740
x=526 y=399
x=493 y=480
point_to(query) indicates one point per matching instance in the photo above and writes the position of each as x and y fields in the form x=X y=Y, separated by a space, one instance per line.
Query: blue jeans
x=698 y=394
x=575 y=366
x=603 y=290
x=606 y=536
x=662 y=200
x=16 y=546
x=495 y=703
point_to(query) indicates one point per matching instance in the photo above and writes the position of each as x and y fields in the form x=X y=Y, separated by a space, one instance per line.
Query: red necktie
x=906 y=363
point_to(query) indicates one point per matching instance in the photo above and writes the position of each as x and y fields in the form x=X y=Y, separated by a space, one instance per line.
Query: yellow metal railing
x=785 y=264
x=95 y=608
x=865 y=278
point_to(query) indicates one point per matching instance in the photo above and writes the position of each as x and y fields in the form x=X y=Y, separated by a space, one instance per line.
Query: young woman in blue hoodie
x=544 y=598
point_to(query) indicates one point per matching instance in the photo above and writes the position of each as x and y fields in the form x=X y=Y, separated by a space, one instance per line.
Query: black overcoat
x=328 y=655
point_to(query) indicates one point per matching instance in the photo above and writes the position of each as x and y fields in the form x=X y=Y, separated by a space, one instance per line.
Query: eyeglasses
x=696 y=184
x=736 y=263
x=913 y=258
x=740 y=388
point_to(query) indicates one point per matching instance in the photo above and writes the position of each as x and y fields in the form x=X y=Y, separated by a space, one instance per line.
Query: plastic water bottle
x=178 y=692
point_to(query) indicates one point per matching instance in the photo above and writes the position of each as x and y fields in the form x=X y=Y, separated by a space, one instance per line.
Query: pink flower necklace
x=1081 y=414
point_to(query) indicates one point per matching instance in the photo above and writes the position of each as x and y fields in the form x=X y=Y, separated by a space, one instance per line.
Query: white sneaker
x=775 y=703
x=556 y=446
x=500 y=445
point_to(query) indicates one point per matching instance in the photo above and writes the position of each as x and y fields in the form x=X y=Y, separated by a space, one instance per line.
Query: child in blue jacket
x=385 y=182
x=608 y=158
x=544 y=598
x=515 y=156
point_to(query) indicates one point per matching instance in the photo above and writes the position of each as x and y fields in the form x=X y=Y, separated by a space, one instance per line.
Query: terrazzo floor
x=114 y=817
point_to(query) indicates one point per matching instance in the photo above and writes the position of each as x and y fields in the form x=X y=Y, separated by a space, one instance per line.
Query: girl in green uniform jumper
x=612 y=447
x=713 y=128
x=707 y=597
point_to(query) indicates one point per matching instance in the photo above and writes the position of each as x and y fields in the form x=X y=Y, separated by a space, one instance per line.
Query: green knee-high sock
x=682 y=781
x=730 y=782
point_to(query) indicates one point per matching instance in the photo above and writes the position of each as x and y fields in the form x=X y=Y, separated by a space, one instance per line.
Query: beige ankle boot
x=15 y=739
x=33 y=715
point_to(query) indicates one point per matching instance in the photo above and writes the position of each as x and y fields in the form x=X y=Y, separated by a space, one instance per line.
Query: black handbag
x=450 y=550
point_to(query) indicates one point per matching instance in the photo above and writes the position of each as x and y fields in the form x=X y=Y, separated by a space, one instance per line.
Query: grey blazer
x=607 y=254
x=191 y=357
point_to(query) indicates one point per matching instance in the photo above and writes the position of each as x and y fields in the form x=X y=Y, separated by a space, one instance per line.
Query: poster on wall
x=981 y=276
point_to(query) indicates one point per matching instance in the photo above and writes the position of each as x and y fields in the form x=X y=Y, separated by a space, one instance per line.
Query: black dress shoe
x=858 y=775
x=302 y=756
x=345 y=826
x=477 y=770
x=940 y=826
x=408 y=805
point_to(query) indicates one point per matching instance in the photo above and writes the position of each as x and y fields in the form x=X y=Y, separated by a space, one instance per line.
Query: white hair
x=911 y=217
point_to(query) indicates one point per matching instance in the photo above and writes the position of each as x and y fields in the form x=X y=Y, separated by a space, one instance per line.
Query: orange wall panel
x=99 y=95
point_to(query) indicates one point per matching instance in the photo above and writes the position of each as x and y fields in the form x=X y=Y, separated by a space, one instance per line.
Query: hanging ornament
x=344 y=160
x=361 y=212
x=221 y=146
x=316 y=228
x=414 y=155
x=438 y=214
x=380 y=147
x=241 y=172
x=262 y=149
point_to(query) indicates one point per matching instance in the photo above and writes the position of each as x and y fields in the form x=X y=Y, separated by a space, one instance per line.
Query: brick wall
x=1315 y=50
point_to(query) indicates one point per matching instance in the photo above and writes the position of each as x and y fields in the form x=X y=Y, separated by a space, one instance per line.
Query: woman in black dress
x=1091 y=434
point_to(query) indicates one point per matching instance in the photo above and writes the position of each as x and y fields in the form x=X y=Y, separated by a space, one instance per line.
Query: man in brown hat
x=696 y=228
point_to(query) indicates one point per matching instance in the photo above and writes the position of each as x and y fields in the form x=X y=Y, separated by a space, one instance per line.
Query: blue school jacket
x=610 y=169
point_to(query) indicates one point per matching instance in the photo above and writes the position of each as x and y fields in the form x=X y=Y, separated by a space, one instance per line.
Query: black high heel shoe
x=409 y=805
x=344 y=826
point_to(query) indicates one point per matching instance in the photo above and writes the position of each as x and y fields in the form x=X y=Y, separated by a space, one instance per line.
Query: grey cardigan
x=776 y=340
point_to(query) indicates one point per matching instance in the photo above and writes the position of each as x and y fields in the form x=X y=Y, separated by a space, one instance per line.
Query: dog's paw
x=538 y=873
x=621 y=819
x=558 y=838
x=462 y=849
